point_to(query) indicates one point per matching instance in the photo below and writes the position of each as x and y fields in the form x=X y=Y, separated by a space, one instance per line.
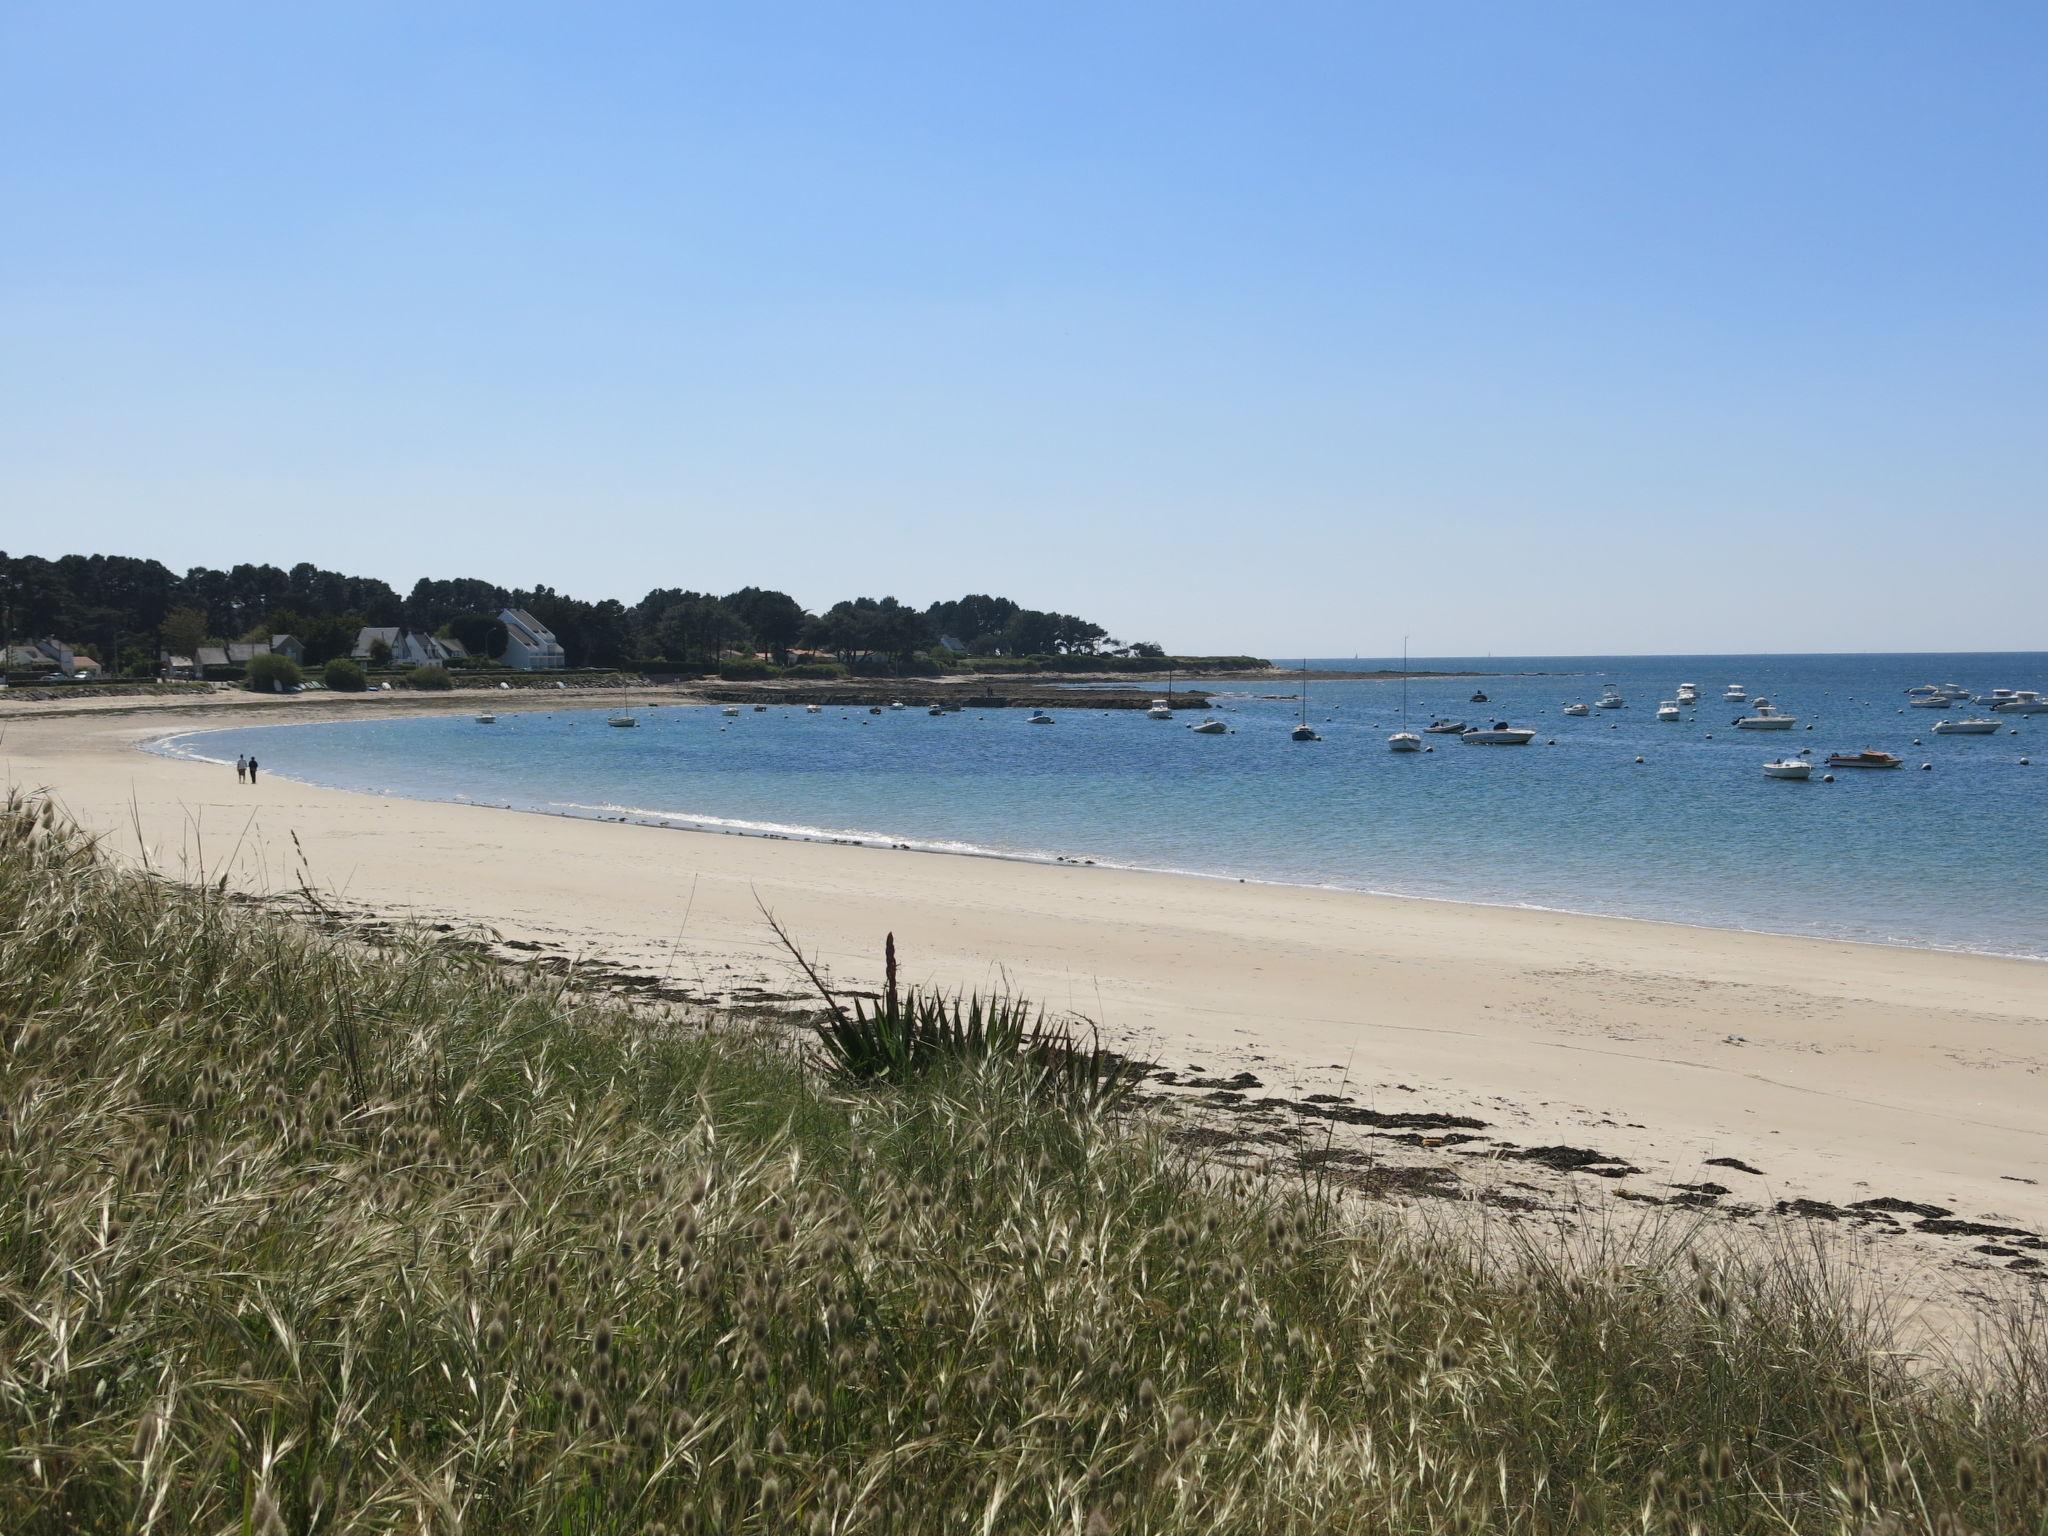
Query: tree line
x=124 y=611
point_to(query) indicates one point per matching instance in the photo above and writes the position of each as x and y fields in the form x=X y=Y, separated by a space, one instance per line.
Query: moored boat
x=1734 y=693
x=622 y=720
x=2024 y=701
x=1667 y=709
x=1869 y=757
x=1688 y=694
x=1211 y=727
x=1499 y=734
x=1578 y=709
x=1445 y=727
x=486 y=719
x=1763 y=716
x=1039 y=717
x=1788 y=768
x=1931 y=701
x=1974 y=725
x=1610 y=698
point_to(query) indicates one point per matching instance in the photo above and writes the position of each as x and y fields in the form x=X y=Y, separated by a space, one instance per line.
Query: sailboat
x=1304 y=731
x=1404 y=740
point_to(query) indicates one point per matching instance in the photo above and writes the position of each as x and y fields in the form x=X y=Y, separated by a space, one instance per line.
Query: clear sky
x=1525 y=328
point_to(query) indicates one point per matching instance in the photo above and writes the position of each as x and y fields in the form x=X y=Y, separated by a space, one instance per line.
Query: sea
x=1617 y=814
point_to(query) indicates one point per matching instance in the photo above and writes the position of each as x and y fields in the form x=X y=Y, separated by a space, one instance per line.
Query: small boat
x=874 y=709
x=1445 y=727
x=1688 y=694
x=1788 y=768
x=1304 y=731
x=1667 y=709
x=1867 y=758
x=2024 y=701
x=812 y=709
x=1955 y=692
x=1159 y=711
x=1734 y=693
x=622 y=720
x=1763 y=717
x=1479 y=698
x=897 y=705
x=1974 y=725
x=1610 y=698
x=1922 y=691
x=1578 y=710
x=486 y=719
x=1210 y=728
x=1931 y=701
x=1499 y=734
x=935 y=710
x=1404 y=740
x=730 y=709
x=1039 y=717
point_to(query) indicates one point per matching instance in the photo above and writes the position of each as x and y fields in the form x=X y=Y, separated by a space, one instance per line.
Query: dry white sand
x=1841 y=1071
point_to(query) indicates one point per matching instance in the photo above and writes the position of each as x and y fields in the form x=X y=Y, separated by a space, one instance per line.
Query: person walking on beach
x=242 y=769
x=252 y=770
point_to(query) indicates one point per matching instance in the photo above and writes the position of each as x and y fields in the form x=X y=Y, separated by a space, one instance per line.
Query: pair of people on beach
x=245 y=769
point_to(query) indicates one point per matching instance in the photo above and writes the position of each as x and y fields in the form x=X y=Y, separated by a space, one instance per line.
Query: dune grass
x=298 y=1234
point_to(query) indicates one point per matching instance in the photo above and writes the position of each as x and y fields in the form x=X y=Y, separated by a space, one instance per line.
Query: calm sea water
x=1952 y=858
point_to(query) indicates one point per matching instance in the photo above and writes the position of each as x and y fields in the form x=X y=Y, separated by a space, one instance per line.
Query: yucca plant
x=910 y=1031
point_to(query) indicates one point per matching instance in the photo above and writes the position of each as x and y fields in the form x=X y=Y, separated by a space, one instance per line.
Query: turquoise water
x=1952 y=858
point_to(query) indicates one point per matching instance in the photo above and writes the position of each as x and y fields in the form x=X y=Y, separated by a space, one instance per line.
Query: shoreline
x=709 y=824
x=1582 y=1060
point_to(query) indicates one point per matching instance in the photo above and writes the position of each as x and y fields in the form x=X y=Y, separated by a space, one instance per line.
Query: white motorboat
x=486 y=719
x=812 y=709
x=1580 y=710
x=1210 y=728
x=1610 y=698
x=897 y=705
x=1930 y=701
x=1688 y=694
x=1788 y=768
x=1734 y=693
x=1869 y=757
x=730 y=709
x=1499 y=734
x=1955 y=692
x=1039 y=717
x=1159 y=711
x=1667 y=709
x=1445 y=727
x=1404 y=740
x=1763 y=716
x=1973 y=725
x=2024 y=701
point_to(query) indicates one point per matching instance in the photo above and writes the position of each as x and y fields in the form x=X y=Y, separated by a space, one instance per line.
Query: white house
x=53 y=654
x=529 y=644
x=409 y=647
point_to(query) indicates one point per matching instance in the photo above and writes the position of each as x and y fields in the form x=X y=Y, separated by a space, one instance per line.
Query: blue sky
x=1518 y=328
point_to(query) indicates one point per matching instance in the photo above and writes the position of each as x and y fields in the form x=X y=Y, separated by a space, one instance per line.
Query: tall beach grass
x=299 y=1234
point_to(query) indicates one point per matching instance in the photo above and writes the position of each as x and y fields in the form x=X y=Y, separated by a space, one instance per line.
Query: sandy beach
x=1769 y=1068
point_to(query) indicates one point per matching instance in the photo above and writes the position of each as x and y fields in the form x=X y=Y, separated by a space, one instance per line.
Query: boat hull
x=1787 y=770
x=1752 y=723
x=1497 y=738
